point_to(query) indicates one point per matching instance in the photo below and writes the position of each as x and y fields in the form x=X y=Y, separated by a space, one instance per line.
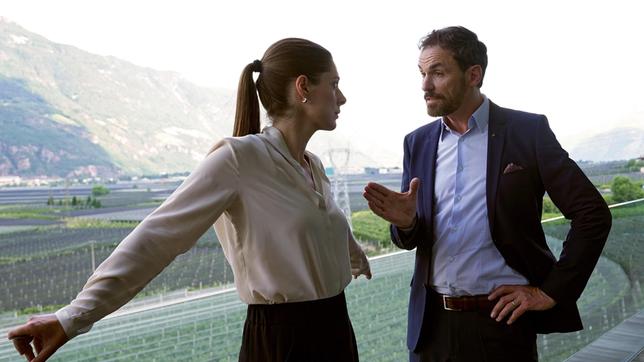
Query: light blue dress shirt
x=465 y=260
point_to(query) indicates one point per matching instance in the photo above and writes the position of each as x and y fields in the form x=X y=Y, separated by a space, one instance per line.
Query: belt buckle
x=445 y=304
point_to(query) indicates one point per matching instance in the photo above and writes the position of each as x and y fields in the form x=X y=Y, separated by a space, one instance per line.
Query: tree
x=634 y=165
x=100 y=190
x=50 y=201
x=549 y=206
x=624 y=189
x=74 y=201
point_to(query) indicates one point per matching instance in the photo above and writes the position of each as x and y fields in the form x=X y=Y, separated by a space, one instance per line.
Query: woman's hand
x=360 y=266
x=39 y=338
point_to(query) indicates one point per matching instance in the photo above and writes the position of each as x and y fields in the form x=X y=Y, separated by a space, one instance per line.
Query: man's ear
x=474 y=75
x=302 y=87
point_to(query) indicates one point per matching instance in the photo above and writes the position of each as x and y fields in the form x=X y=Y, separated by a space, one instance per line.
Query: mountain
x=67 y=112
x=621 y=143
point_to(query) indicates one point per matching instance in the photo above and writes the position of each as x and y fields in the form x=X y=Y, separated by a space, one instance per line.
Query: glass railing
x=614 y=291
x=206 y=325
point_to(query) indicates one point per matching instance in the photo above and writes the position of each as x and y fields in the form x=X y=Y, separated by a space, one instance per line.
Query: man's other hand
x=518 y=299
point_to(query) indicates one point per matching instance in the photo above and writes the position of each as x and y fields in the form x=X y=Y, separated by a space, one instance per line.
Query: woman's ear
x=302 y=88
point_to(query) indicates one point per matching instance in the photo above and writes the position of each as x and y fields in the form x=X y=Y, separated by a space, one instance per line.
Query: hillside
x=622 y=143
x=66 y=112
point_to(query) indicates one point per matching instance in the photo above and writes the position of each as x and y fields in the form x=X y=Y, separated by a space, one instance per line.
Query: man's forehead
x=430 y=56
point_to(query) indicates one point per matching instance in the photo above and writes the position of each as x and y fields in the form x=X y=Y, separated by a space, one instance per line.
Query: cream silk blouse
x=285 y=241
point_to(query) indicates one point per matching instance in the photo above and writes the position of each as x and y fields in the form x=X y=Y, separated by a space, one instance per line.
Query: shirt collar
x=478 y=120
x=275 y=138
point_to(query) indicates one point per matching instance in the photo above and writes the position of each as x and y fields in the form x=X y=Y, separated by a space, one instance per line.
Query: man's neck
x=459 y=120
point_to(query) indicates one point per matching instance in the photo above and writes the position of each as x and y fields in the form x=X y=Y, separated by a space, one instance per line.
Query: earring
x=304 y=100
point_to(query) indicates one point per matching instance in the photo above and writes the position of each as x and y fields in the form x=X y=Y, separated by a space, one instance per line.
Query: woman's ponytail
x=247 y=109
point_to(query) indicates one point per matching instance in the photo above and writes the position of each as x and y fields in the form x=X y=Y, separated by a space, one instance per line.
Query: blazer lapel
x=428 y=165
x=496 y=141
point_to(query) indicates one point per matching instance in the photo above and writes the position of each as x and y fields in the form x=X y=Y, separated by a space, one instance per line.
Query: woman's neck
x=296 y=136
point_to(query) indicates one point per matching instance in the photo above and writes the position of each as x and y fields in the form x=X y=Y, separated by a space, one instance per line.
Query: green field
x=210 y=328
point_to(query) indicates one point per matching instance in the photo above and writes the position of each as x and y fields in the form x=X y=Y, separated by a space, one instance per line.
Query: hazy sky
x=581 y=65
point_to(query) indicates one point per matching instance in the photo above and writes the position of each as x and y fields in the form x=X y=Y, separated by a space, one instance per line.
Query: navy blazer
x=514 y=203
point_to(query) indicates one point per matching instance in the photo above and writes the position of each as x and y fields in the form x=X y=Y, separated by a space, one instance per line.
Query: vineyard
x=186 y=313
x=50 y=266
x=210 y=328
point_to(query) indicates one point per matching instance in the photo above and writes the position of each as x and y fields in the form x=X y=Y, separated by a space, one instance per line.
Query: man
x=485 y=281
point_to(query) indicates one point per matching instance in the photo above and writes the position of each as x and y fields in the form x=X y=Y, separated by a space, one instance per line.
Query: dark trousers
x=473 y=336
x=318 y=330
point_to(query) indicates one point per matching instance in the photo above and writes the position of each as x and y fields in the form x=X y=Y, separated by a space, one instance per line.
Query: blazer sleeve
x=406 y=239
x=172 y=229
x=580 y=202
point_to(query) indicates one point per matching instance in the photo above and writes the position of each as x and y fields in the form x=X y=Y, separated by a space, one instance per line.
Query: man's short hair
x=465 y=46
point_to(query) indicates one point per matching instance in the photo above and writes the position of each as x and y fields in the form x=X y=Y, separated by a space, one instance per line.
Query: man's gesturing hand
x=399 y=208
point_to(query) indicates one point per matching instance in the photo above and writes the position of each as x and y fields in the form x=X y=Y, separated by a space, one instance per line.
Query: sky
x=578 y=62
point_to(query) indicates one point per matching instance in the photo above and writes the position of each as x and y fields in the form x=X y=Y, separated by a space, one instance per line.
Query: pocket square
x=511 y=167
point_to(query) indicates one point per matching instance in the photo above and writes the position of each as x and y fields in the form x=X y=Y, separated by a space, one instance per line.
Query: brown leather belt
x=474 y=303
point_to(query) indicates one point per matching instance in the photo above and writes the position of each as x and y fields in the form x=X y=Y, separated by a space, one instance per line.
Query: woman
x=289 y=245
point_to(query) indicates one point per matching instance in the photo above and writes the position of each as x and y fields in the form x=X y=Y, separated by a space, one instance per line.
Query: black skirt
x=318 y=330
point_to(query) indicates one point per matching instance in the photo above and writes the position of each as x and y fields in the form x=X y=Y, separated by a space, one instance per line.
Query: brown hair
x=465 y=46
x=282 y=62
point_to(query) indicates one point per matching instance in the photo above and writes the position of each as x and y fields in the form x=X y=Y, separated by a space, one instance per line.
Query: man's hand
x=399 y=208
x=44 y=332
x=518 y=299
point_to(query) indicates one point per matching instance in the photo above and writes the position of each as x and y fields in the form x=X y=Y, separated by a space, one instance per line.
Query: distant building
x=9 y=180
x=371 y=170
x=389 y=170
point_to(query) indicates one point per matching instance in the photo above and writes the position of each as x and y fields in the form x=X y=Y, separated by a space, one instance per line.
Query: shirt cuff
x=70 y=324
x=408 y=230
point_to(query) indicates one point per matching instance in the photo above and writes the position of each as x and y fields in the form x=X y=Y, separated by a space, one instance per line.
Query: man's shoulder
x=514 y=115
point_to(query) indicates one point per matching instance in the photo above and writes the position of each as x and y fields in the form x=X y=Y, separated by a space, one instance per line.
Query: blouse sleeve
x=359 y=261
x=172 y=229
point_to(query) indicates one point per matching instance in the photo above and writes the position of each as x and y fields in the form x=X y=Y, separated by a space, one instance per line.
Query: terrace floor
x=624 y=343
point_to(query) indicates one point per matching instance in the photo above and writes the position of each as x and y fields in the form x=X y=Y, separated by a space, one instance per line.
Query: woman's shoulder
x=239 y=145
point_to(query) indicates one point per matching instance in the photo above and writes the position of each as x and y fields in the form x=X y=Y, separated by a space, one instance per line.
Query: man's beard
x=444 y=107
x=447 y=105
